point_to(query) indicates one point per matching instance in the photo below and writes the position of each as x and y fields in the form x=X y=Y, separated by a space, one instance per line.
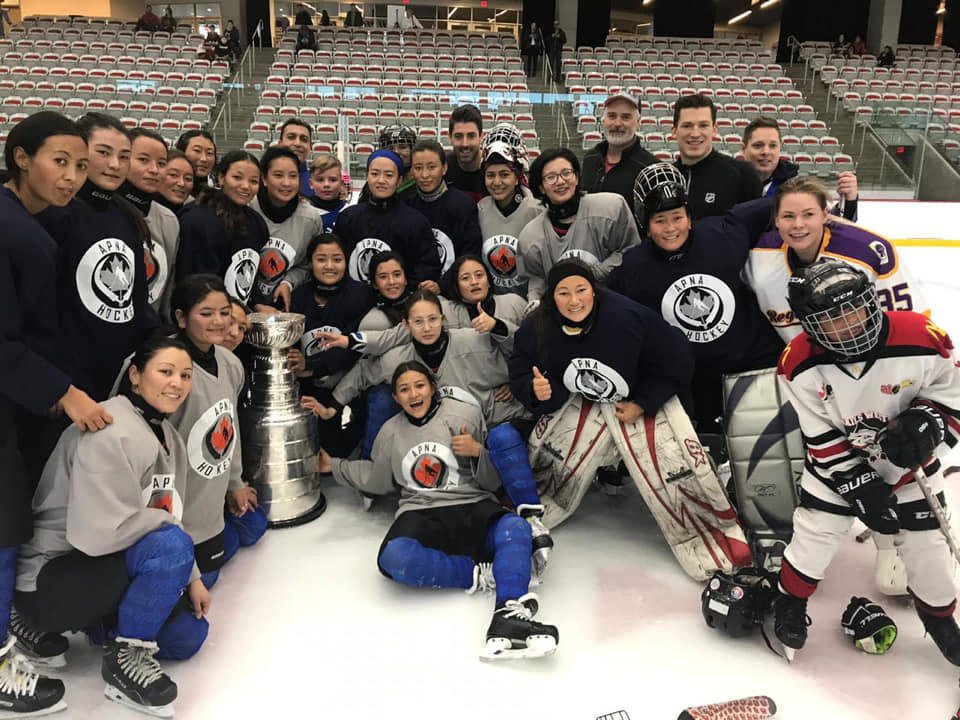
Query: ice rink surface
x=304 y=626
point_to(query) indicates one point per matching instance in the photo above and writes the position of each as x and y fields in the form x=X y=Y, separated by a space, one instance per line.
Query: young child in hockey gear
x=689 y=272
x=876 y=394
x=508 y=209
x=176 y=182
x=449 y=530
x=602 y=374
x=291 y=221
x=101 y=274
x=805 y=232
x=870 y=628
x=46 y=158
x=107 y=535
x=222 y=234
x=148 y=162
x=451 y=213
x=595 y=228
x=383 y=222
x=333 y=302
x=327 y=183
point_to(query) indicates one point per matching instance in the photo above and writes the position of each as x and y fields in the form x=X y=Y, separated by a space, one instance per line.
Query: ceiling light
x=648 y=2
x=768 y=3
x=740 y=17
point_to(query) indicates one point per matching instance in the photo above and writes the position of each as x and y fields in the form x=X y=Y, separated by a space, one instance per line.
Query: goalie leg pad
x=566 y=450
x=671 y=469
x=889 y=572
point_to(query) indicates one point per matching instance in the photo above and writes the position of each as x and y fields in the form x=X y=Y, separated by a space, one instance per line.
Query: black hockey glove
x=870 y=497
x=911 y=437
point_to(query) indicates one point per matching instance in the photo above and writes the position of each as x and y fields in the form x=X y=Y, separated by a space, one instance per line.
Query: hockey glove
x=870 y=497
x=870 y=628
x=911 y=437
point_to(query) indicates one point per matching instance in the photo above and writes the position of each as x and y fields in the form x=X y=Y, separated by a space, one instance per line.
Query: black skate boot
x=542 y=542
x=790 y=622
x=945 y=634
x=42 y=649
x=513 y=633
x=24 y=692
x=135 y=679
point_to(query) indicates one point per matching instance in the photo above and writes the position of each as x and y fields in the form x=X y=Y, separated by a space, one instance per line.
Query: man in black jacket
x=612 y=165
x=715 y=182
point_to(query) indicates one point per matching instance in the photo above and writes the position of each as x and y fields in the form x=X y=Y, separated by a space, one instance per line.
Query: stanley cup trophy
x=279 y=446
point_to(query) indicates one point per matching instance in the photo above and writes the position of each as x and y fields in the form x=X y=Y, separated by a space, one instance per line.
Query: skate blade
x=49 y=662
x=60 y=706
x=503 y=649
x=117 y=696
x=789 y=653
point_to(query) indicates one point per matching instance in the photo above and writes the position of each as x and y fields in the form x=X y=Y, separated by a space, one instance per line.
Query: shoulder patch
x=916 y=330
x=796 y=355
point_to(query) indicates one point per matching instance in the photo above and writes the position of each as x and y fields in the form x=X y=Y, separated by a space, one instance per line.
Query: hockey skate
x=790 y=623
x=135 y=679
x=483 y=580
x=542 y=542
x=23 y=691
x=514 y=634
x=945 y=634
x=42 y=649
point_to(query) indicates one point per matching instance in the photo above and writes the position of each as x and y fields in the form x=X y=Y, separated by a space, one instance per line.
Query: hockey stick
x=758 y=707
x=922 y=478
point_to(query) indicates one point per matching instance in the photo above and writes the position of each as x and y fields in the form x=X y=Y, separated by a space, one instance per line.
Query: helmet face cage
x=397 y=135
x=505 y=135
x=850 y=328
x=649 y=179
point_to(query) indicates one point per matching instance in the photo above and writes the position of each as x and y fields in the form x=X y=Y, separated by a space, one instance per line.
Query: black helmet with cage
x=658 y=187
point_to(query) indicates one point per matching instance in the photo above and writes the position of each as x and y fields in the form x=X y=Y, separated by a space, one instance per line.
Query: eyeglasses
x=430 y=321
x=554 y=177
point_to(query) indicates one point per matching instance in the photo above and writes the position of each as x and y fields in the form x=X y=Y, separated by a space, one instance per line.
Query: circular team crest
x=501 y=257
x=444 y=249
x=310 y=340
x=595 y=380
x=276 y=257
x=105 y=278
x=583 y=255
x=359 y=264
x=430 y=466
x=211 y=440
x=241 y=273
x=702 y=306
x=162 y=494
x=155 y=260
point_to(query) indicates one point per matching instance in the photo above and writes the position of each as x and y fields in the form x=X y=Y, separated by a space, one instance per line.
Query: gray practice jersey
x=603 y=229
x=420 y=461
x=500 y=241
x=100 y=492
x=507 y=307
x=165 y=232
x=283 y=258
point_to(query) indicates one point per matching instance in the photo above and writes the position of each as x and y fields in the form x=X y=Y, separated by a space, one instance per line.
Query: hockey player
x=689 y=272
x=101 y=274
x=473 y=303
x=805 y=232
x=384 y=222
x=200 y=150
x=176 y=183
x=148 y=162
x=400 y=139
x=327 y=183
x=451 y=213
x=593 y=228
x=877 y=394
x=108 y=550
x=221 y=234
x=601 y=373
x=239 y=324
x=291 y=222
x=508 y=209
x=449 y=530
x=332 y=302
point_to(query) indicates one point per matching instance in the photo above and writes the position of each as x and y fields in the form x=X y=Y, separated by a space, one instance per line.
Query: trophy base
x=311 y=514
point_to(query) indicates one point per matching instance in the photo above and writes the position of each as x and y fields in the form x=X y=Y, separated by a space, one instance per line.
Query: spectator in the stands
x=233 y=33
x=463 y=164
x=715 y=182
x=410 y=21
x=612 y=165
x=556 y=41
x=761 y=148
x=168 y=23
x=859 y=47
x=306 y=40
x=532 y=47
x=283 y=22
x=354 y=17
x=887 y=57
x=210 y=41
x=303 y=16
x=325 y=18
x=295 y=134
x=222 y=51
x=841 y=46
x=148 y=21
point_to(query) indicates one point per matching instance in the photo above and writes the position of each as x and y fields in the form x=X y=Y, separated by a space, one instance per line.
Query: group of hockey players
x=480 y=333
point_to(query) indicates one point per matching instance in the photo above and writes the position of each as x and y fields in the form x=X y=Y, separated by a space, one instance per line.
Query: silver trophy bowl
x=274 y=330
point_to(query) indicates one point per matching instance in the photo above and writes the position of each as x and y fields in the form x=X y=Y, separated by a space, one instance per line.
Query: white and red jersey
x=842 y=407
x=772 y=262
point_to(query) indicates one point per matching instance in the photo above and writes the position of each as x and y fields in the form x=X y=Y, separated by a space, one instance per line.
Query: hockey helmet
x=397 y=135
x=736 y=603
x=658 y=187
x=505 y=140
x=837 y=306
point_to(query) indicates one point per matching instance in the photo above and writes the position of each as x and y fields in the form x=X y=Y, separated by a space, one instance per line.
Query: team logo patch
x=155 y=260
x=458 y=393
x=210 y=442
x=702 y=306
x=825 y=392
x=276 y=257
x=500 y=256
x=696 y=452
x=583 y=255
x=162 y=494
x=710 y=198
x=359 y=263
x=894 y=389
x=430 y=466
x=105 y=278
x=862 y=430
x=595 y=380
x=311 y=340
x=880 y=250
x=241 y=272
x=444 y=249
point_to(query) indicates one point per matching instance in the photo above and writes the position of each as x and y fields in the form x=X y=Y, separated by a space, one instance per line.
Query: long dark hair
x=388 y=307
x=453 y=287
x=229 y=213
x=194 y=288
x=32 y=132
x=414 y=366
x=421 y=295
x=156 y=341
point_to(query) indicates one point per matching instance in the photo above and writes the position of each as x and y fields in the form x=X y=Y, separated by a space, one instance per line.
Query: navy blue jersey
x=455 y=222
x=628 y=352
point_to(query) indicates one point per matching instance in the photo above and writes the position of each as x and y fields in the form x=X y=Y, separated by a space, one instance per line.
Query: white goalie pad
x=668 y=465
